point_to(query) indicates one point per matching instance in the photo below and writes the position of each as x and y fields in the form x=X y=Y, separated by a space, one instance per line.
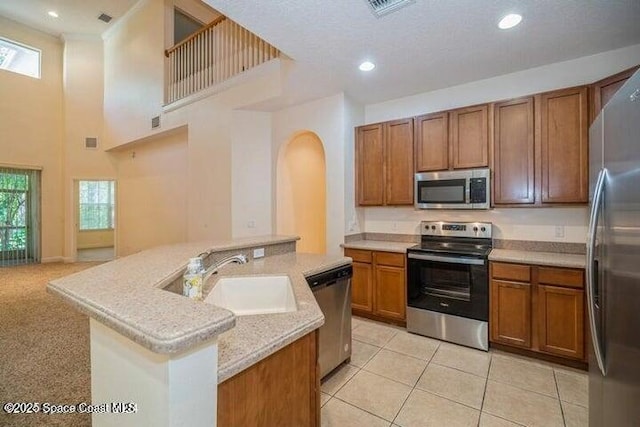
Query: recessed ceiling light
x=509 y=21
x=53 y=14
x=367 y=66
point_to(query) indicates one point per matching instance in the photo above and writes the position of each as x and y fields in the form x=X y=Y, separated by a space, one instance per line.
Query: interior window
x=184 y=26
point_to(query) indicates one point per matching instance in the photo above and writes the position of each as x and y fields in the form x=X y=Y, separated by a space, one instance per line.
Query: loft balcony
x=215 y=53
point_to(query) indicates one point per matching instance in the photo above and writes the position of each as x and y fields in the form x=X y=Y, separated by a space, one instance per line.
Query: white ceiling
x=75 y=16
x=428 y=45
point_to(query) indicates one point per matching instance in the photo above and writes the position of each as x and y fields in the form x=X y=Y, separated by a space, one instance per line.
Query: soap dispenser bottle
x=193 y=279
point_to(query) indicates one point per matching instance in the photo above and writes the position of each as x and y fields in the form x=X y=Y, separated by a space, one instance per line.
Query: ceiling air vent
x=91 y=143
x=383 y=7
x=105 y=18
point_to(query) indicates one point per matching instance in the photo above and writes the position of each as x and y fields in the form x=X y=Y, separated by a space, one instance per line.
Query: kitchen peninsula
x=167 y=353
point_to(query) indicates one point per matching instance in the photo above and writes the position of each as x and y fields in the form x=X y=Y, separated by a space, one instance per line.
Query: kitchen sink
x=250 y=295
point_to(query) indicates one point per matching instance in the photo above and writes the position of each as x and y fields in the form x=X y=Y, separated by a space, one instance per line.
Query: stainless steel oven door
x=451 y=284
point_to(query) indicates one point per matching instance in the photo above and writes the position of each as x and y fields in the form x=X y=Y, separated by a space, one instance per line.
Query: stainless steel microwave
x=461 y=189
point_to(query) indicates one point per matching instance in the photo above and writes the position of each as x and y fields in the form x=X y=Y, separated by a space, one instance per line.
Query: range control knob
x=475 y=229
x=433 y=227
x=483 y=229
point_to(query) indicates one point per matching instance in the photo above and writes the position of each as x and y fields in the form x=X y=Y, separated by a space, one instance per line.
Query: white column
x=168 y=390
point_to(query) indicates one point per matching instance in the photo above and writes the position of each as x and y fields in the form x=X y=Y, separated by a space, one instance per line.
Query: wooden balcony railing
x=215 y=53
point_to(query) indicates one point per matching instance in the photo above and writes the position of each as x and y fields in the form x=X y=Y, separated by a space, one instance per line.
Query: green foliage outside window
x=97 y=199
x=13 y=211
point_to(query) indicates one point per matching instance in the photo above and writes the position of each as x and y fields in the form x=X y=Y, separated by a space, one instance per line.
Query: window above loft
x=19 y=58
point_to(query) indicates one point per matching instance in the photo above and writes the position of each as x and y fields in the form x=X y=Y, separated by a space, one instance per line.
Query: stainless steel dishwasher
x=332 y=289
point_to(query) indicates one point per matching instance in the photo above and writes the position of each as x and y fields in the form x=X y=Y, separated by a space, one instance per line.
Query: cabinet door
x=561 y=321
x=369 y=165
x=604 y=90
x=362 y=287
x=399 y=162
x=432 y=142
x=510 y=315
x=391 y=298
x=564 y=146
x=469 y=137
x=513 y=156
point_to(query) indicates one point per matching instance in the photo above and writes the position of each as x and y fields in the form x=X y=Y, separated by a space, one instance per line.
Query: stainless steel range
x=448 y=282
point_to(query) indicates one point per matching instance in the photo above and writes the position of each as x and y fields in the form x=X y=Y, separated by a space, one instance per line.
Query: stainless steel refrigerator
x=613 y=261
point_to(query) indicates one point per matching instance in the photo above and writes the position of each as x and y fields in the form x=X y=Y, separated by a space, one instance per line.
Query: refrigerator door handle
x=591 y=279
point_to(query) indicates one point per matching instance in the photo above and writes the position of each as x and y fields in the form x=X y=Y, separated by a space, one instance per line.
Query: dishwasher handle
x=329 y=278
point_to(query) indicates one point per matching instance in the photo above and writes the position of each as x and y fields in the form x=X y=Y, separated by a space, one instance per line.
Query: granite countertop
x=553 y=259
x=127 y=296
x=379 y=245
x=257 y=336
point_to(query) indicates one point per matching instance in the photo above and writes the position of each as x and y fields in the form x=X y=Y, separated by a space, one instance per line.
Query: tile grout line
x=364 y=410
x=486 y=384
x=555 y=380
x=414 y=387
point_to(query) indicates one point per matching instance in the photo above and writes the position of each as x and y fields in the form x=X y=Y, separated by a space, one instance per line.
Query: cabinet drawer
x=390 y=258
x=561 y=277
x=517 y=272
x=358 y=255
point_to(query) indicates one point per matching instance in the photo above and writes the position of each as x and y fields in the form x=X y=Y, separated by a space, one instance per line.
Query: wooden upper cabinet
x=432 y=142
x=604 y=90
x=513 y=152
x=369 y=165
x=398 y=150
x=564 y=146
x=469 y=137
x=384 y=163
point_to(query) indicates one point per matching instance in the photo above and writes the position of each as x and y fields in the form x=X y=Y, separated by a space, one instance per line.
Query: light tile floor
x=400 y=379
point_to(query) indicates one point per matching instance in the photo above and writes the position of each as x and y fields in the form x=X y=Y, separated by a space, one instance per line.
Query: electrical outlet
x=258 y=253
x=559 y=230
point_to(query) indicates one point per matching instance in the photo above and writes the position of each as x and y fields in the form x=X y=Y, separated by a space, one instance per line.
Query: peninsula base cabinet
x=537 y=308
x=378 y=286
x=281 y=390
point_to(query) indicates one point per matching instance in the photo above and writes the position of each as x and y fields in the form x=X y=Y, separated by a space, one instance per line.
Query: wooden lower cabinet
x=378 y=286
x=362 y=286
x=390 y=292
x=281 y=390
x=511 y=313
x=537 y=308
x=561 y=321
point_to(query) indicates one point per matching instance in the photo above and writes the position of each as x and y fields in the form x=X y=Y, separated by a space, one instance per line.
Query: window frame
x=111 y=205
x=24 y=46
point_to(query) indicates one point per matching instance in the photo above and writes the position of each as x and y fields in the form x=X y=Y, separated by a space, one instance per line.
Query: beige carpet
x=44 y=346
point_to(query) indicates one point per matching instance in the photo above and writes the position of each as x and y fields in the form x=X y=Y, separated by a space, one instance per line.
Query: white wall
x=515 y=223
x=324 y=117
x=31 y=119
x=354 y=216
x=251 y=174
x=151 y=200
x=575 y=72
x=83 y=102
x=509 y=223
x=216 y=206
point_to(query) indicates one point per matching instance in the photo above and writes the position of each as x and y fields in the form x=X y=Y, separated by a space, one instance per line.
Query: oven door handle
x=452 y=260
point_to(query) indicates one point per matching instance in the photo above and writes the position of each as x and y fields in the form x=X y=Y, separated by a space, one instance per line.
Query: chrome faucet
x=213 y=269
